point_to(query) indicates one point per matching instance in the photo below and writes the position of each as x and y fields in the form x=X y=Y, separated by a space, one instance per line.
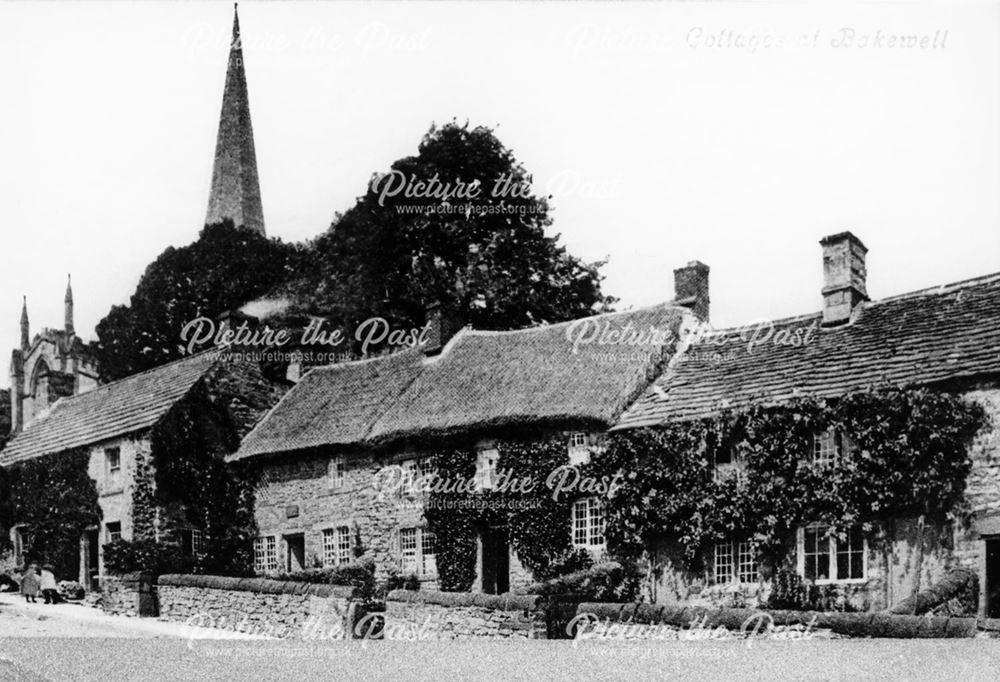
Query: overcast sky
x=737 y=134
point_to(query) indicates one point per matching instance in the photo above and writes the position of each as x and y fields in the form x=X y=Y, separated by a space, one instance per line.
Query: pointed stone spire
x=235 y=188
x=25 y=331
x=69 y=304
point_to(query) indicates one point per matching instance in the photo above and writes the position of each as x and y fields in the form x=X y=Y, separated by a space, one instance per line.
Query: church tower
x=235 y=192
x=53 y=364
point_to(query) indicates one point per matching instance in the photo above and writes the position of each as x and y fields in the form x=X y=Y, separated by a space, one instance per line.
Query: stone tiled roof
x=479 y=380
x=109 y=411
x=926 y=337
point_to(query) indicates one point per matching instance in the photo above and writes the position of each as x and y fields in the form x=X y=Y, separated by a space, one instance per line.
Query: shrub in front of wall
x=150 y=556
x=608 y=581
x=358 y=574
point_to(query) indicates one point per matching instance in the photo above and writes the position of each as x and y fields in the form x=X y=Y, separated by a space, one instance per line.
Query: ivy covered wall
x=184 y=483
x=55 y=499
x=537 y=522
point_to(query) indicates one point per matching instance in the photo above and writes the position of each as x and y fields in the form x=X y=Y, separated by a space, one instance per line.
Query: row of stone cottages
x=323 y=446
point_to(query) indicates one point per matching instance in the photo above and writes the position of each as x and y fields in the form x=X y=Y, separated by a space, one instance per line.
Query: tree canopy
x=457 y=224
x=222 y=270
x=417 y=236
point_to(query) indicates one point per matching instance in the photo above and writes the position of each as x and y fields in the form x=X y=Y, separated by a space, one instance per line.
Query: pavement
x=76 y=642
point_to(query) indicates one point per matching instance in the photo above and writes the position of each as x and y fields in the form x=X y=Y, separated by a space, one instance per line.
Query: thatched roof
x=933 y=336
x=480 y=380
x=333 y=405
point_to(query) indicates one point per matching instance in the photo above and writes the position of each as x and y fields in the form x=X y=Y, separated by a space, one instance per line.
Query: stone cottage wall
x=297 y=496
x=258 y=606
x=463 y=615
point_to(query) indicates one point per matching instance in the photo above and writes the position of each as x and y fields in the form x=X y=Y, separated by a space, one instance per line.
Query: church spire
x=25 y=335
x=235 y=190
x=69 y=304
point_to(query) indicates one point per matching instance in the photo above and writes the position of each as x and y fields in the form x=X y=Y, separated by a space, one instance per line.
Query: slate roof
x=930 y=336
x=480 y=379
x=108 y=411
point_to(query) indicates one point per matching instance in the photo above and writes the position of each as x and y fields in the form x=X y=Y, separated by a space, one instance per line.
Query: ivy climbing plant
x=185 y=483
x=56 y=501
x=907 y=457
x=537 y=521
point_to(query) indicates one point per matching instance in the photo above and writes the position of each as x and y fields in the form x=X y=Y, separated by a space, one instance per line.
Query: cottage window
x=114 y=530
x=578 y=448
x=428 y=548
x=826 y=449
x=418 y=549
x=265 y=554
x=113 y=463
x=735 y=561
x=486 y=468
x=337 y=546
x=192 y=542
x=408 y=549
x=729 y=463
x=336 y=470
x=825 y=557
x=587 y=520
x=425 y=465
x=197 y=542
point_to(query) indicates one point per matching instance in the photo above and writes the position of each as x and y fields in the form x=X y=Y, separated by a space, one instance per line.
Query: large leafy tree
x=486 y=257
x=224 y=269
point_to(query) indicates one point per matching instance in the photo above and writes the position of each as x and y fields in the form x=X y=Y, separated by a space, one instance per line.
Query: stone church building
x=55 y=364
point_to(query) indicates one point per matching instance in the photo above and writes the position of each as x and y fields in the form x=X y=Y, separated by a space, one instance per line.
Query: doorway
x=92 y=560
x=295 y=554
x=496 y=560
x=993 y=577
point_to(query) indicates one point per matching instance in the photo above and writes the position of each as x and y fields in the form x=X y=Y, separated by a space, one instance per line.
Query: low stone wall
x=755 y=621
x=429 y=614
x=274 y=608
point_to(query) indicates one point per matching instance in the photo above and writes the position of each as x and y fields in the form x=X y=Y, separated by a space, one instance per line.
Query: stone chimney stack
x=69 y=305
x=691 y=288
x=443 y=322
x=844 y=277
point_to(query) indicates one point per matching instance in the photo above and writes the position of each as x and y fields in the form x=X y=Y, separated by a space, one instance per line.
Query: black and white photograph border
x=452 y=340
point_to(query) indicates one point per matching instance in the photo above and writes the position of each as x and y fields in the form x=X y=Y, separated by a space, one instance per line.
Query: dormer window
x=486 y=468
x=578 y=448
x=336 y=469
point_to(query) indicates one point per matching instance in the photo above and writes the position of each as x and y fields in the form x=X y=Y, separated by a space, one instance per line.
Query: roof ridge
x=341 y=366
x=666 y=305
x=118 y=382
x=942 y=288
x=933 y=290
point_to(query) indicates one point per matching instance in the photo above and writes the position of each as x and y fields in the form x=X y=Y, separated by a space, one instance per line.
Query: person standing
x=29 y=584
x=49 y=588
